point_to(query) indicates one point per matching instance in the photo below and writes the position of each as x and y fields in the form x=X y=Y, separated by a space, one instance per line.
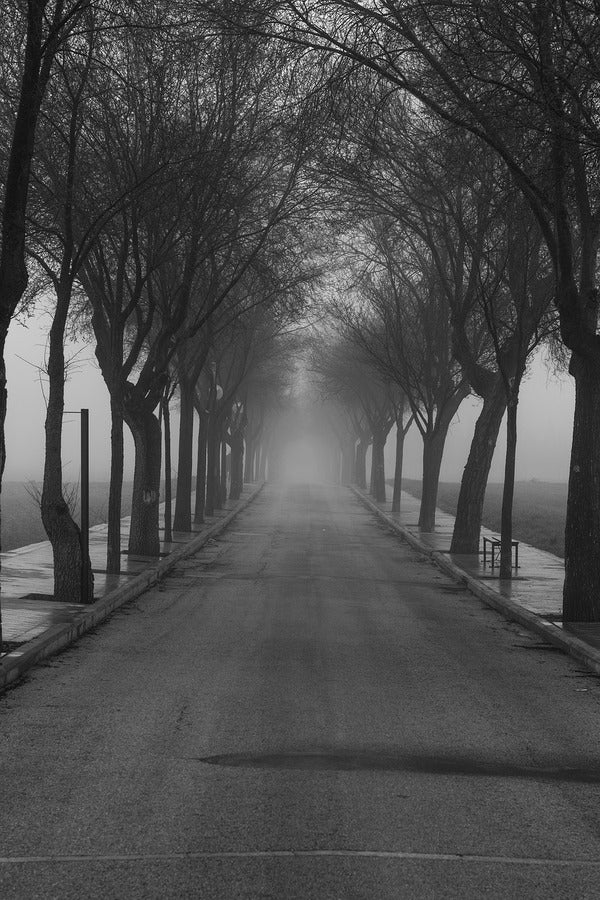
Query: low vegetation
x=539 y=510
x=21 y=520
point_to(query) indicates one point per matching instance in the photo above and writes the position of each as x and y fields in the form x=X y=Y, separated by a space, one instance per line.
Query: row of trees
x=517 y=83
x=447 y=292
x=155 y=190
x=173 y=172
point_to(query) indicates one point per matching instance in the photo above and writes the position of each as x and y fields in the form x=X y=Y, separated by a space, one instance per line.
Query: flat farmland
x=21 y=519
x=539 y=510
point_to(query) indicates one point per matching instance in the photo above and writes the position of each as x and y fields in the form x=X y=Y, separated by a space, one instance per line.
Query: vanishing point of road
x=305 y=709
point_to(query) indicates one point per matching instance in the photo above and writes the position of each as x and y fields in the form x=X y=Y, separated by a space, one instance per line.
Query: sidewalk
x=27 y=581
x=535 y=589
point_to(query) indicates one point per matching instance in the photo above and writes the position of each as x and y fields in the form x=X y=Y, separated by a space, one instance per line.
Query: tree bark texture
x=166 y=417
x=115 y=493
x=581 y=596
x=433 y=450
x=508 y=490
x=13 y=270
x=398 y=465
x=223 y=473
x=183 y=500
x=264 y=463
x=249 y=464
x=237 y=465
x=144 y=537
x=378 y=467
x=360 y=464
x=201 y=469
x=212 y=467
x=469 y=509
x=63 y=533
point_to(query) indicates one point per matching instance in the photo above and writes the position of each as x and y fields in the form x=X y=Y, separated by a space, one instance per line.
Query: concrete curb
x=14 y=665
x=512 y=611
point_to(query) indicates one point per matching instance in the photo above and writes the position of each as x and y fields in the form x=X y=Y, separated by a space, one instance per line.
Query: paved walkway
x=27 y=572
x=537 y=583
x=27 y=581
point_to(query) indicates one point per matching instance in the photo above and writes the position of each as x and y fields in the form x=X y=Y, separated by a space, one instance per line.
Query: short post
x=85 y=503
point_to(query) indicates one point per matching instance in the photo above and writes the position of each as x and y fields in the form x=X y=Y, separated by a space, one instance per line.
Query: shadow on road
x=381 y=761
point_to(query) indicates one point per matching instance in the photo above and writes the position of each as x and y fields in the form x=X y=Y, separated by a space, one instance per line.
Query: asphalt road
x=306 y=709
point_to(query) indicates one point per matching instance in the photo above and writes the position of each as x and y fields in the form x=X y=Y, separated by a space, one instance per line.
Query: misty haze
x=300 y=450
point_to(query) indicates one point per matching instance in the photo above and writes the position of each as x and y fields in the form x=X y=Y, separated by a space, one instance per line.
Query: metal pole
x=85 y=503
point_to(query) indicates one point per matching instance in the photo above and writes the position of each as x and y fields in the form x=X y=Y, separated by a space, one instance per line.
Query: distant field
x=539 y=510
x=21 y=521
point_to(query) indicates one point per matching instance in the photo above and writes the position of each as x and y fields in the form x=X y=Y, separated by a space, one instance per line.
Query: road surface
x=307 y=709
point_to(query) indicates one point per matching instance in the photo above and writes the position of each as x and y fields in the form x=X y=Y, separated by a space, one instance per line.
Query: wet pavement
x=305 y=709
x=536 y=585
x=27 y=571
x=26 y=578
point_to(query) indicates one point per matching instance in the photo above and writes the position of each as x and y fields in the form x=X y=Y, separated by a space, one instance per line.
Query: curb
x=512 y=611
x=14 y=665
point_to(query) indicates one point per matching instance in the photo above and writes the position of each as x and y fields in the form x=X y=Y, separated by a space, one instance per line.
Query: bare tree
x=522 y=78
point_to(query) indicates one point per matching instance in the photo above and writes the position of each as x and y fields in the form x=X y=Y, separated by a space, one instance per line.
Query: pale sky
x=545 y=420
x=545 y=423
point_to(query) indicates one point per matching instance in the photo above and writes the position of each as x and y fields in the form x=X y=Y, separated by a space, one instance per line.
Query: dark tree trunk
x=249 y=467
x=144 y=537
x=223 y=473
x=360 y=465
x=433 y=450
x=469 y=509
x=62 y=531
x=166 y=416
x=378 y=467
x=183 y=501
x=581 y=596
x=508 y=489
x=13 y=270
x=212 y=467
x=399 y=461
x=113 y=550
x=237 y=465
x=201 y=469
x=264 y=458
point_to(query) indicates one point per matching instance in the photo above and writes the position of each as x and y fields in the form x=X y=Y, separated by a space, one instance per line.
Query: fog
x=545 y=422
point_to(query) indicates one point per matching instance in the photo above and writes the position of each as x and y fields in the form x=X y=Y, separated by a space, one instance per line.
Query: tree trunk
x=13 y=270
x=113 y=550
x=378 y=467
x=469 y=509
x=249 y=461
x=581 y=593
x=396 y=497
x=262 y=468
x=144 y=537
x=223 y=479
x=360 y=465
x=166 y=417
x=63 y=533
x=183 y=501
x=433 y=450
x=509 y=488
x=212 y=467
x=201 y=469
x=237 y=465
